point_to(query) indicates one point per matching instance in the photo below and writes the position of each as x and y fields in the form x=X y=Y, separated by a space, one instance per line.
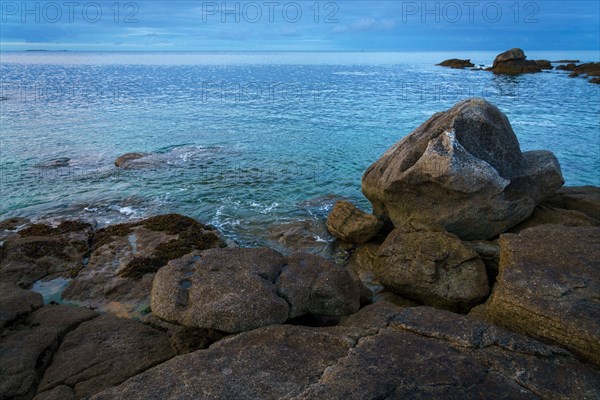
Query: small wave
x=545 y=124
x=355 y=73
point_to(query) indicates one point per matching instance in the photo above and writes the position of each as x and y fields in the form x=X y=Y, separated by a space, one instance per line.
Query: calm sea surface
x=245 y=141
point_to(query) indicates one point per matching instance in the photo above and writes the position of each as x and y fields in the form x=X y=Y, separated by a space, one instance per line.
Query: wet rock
x=105 y=352
x=60 y=162
x=44 y=251
x=16 y=302
x=309 y=236
x=595 y=80
x=27 y=349
x=351 y=225
x=433 y=267
x=548 y=287
x=585 y=199
x=457 y=63
x=313 y=285
x=462 y=169
x=128 y=160
x=568 y=67
x=61 y=392
x=385 y=352
x=125 y=257
x=14 y=223
x=587 y=69
x=545 y=214
x=230 y=290
x=544 y=64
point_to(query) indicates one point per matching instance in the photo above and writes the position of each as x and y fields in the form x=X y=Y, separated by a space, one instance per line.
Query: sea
x=248 y=141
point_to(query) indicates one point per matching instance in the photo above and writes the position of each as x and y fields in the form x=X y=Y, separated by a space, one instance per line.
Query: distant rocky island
x=477 y=275
x=514 y=62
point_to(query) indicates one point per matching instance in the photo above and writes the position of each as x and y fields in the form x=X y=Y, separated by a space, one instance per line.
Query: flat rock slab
x=104 y=352
x=26 y=349
x=549 y=287
x=420 y=353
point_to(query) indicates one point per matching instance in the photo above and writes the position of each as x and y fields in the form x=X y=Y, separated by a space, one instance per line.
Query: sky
x=269 y=25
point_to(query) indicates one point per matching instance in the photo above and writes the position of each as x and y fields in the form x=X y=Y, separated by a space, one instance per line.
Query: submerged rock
x=125 y=258
x=548 y=287
x=351 y=225
x=387 y=352
x=456 y=63
x=435 y=268
x=128 y=160
x=462 y=169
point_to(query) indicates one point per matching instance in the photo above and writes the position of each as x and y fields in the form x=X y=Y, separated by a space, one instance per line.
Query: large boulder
x=229 y=290
x=514 y=61
x=548 y=287
x=462 y=169
x=436 y=268
x=236 y=289
x=104 y=352
x=125 y=258
x=351 y=225
x=392 y=352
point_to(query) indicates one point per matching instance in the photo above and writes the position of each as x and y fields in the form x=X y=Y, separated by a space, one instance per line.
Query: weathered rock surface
x=456 y=63
x=386 y=352
x=104 y=352
x=125 y=258
x=230 y=290
x=585 y=199
x=546 y=214
x=349 y=224
x=489 y=251
x=436 y=268
x=307 y=236
x=462 y=169
x=42 y=250
x=313 y=285
x=548 y=287
x=234 y=290
x=16 y=302
x=26 y=349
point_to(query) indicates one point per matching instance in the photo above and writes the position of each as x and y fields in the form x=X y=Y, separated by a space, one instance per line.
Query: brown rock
x=348 y=223
x=16 y=302
x=61 y=392
x=105 y=352
x=433 y=267
x=546 y=214
x=514 y=54
x=585 y=199
x=230 y=290
x=313 y=285
x=514 y=61
x=127 y=160
x=456 y=63
x=43 y=250
x=308 y=236
x=125 y=257
x=548 y=287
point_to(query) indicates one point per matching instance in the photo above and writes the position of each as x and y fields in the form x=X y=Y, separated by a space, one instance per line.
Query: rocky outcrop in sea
x=476 y=276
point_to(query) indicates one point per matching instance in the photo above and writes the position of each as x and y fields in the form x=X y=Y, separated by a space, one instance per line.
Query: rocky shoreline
x=514 y=62
x=476 y=276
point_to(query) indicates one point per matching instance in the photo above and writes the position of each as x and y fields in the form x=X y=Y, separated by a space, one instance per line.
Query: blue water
x=244 y=141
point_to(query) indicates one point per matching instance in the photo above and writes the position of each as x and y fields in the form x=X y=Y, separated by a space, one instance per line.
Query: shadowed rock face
x=462 y=169
x=548 y=288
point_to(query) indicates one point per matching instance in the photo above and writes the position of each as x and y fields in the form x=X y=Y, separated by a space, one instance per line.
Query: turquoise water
x=244 y=141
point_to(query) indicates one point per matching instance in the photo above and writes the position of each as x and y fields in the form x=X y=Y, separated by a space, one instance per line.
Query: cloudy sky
x=265 y=25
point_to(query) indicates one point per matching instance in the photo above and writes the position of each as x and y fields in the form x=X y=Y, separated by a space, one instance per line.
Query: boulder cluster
x=476 y=276
x=514 y=62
